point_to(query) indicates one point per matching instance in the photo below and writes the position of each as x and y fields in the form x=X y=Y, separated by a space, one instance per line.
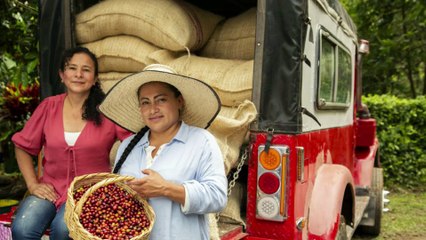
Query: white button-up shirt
x=192 y=158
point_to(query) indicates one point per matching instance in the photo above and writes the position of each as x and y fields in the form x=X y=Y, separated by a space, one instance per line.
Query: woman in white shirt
x=177 y=163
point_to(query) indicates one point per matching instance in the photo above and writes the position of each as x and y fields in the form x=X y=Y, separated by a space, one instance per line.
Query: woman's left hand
x=154 y=185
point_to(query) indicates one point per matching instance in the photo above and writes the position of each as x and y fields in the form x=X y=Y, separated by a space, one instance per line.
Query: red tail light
x=269 y=183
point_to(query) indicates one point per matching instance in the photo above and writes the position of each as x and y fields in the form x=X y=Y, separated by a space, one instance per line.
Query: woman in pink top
x=76 y=139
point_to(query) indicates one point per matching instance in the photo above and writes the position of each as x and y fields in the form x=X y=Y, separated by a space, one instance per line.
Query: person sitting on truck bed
x=177 y=164
x=76 y=139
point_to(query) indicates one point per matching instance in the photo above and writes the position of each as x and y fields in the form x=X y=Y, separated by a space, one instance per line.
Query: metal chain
x=235 y=176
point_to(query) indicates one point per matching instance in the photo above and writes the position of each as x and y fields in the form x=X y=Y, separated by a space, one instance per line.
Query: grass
x=406 y=218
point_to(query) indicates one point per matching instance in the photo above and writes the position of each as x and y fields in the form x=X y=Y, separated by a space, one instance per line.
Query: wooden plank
x=228 y=231
x=361 y=203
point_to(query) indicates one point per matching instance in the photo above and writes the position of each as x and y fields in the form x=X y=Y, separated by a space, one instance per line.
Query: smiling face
x=78 y=74
x=160 y=107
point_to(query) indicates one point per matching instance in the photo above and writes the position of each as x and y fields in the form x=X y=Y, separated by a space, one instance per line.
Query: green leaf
x=8 y=62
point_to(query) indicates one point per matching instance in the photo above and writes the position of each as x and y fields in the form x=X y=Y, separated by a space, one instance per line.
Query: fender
x=326 y=200
x=367 y=158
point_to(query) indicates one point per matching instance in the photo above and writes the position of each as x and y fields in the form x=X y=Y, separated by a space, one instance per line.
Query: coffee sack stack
x=128 y=35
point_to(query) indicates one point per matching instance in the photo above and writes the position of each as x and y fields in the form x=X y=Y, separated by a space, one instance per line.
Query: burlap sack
x=232 y=79
x=169 y=24
x=165 y=56
x=109 y=79
x=230 y=129
x=232 y=212
x=122 y=53
x=113 y=152
x=213 y=227
x=233 y=38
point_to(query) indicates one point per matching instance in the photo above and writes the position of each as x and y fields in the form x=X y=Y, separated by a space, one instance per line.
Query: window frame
x=338 y=48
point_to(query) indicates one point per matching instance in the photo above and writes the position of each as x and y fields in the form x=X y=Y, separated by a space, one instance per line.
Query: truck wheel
x=341 y=232
x=375 y=206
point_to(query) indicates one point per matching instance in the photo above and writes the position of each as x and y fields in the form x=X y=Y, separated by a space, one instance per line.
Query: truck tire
x=341 y=232
x=375 y=206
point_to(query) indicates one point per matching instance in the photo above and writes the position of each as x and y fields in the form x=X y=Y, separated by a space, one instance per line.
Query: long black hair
x=96 y=95
x=129 y=148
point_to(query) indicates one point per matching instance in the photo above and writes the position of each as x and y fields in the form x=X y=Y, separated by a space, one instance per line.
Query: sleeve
x=208 y=192
x=31 y=137
x=122 y=133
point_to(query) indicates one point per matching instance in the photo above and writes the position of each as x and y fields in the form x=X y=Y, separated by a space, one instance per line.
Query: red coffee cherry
x=110 y=212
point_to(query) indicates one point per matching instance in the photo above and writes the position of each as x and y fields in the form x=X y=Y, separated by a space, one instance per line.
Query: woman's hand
x=26 y=166
x=154 y=185
x=44 y=191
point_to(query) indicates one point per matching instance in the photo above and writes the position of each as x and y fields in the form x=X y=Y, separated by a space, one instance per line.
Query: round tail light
x=269 y=183
x=270 y=160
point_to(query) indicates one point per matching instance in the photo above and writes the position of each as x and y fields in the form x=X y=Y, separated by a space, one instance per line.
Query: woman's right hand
x=43 y=190
x=26 y=166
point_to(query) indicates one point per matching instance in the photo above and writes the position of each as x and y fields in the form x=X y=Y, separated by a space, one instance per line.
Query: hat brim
x=121 y=104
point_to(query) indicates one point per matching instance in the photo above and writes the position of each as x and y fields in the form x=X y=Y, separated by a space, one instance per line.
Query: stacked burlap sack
x=126 y=36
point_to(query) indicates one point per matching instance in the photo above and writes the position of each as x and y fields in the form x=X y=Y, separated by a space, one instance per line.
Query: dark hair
x=129 y=148
x=96 y=95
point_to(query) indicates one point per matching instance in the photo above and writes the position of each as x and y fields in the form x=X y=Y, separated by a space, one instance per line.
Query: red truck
x=310 y=168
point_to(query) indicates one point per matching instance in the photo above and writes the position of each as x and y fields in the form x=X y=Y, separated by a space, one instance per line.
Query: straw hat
x=121 y=103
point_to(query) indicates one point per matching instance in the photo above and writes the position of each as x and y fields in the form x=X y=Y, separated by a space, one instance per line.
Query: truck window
x=334 y=75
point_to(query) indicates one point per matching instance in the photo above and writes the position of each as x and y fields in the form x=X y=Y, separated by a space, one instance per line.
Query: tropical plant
x=17 y=103
x=19 y=81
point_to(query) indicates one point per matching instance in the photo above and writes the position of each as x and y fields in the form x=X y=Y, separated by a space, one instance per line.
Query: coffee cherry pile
x=111 y=212
x=80 y=191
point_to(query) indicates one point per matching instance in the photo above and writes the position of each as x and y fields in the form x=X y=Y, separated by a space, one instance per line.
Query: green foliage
x=17 y=103
x=19 y=61
x=18 y=44
x=401 y=129
x=396 y=30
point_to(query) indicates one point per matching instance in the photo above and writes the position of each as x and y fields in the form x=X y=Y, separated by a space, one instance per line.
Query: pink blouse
x=61 y=163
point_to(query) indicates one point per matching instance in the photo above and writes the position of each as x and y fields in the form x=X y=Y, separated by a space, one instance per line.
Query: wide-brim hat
x=121 y=103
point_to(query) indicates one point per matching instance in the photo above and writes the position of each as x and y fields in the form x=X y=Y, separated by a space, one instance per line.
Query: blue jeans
x=34 y=215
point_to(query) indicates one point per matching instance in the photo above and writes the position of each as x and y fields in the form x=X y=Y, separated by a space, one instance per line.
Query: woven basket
x=76 y=184
x=72 y=216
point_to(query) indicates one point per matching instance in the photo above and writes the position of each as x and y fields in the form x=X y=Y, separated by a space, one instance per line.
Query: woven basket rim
x=110 y=178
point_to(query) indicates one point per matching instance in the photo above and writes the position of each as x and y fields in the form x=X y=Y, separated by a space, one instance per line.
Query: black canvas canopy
x=280 y=82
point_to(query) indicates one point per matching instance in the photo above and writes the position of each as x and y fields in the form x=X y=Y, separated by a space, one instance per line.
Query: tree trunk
x=409 y=71
x=410 y=77
x=424 y=78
